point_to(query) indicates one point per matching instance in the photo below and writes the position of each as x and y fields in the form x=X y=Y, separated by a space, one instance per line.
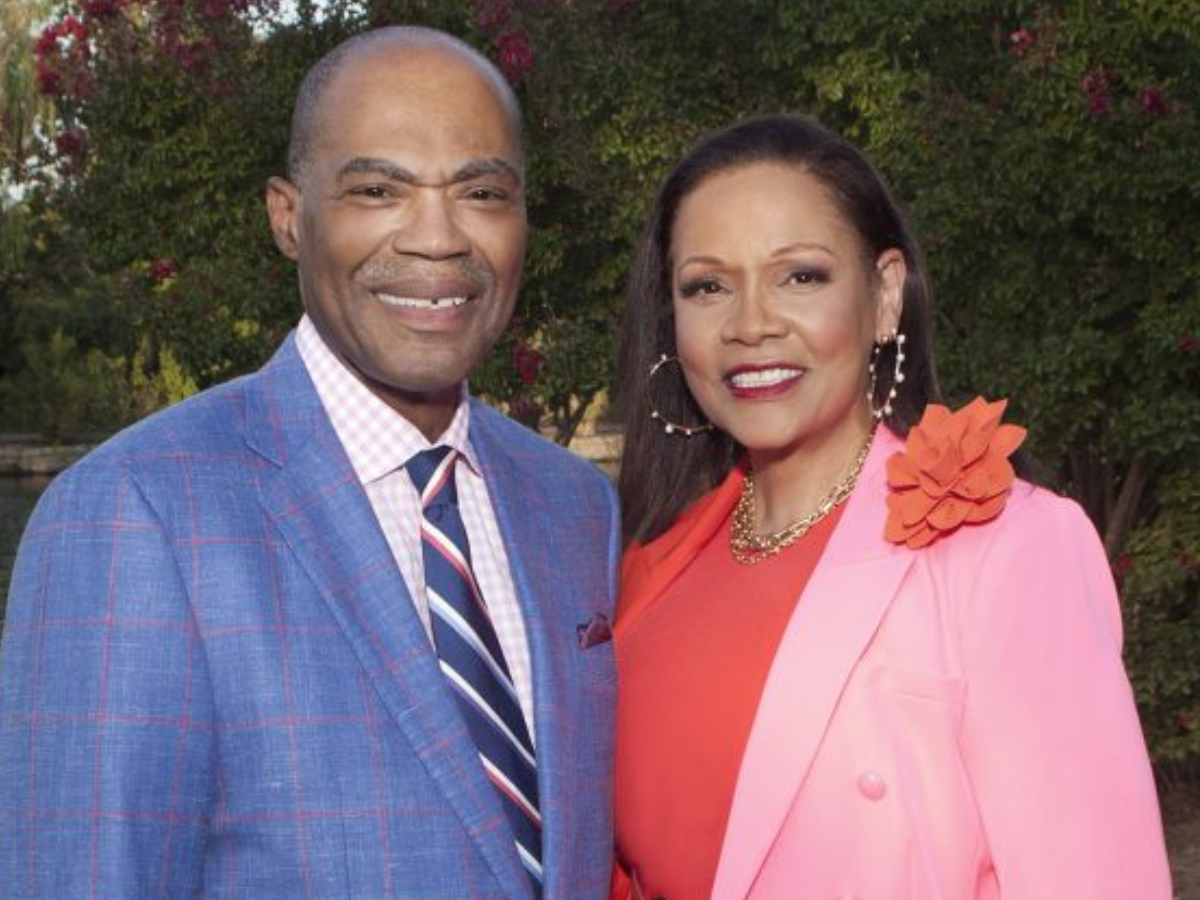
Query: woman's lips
x=763 y=382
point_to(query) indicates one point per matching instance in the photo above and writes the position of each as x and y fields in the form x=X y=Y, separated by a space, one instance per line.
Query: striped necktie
x=470 y=655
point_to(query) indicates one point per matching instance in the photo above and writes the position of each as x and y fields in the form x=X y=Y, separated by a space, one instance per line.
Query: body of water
x=17 y=498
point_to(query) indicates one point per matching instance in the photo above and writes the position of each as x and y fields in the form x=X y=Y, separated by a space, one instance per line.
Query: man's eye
x=486 y=193
x=370 y=191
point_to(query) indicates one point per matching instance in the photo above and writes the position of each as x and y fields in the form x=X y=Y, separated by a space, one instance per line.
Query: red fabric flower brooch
x=953 y=470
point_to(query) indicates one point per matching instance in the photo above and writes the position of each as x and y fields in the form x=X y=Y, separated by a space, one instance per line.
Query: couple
x=337 y=630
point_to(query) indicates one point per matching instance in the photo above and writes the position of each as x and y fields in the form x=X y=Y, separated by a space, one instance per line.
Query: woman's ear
x=283 y=211
x=891 y=271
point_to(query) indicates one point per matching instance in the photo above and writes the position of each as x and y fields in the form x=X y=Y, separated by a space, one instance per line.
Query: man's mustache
x=381 y=272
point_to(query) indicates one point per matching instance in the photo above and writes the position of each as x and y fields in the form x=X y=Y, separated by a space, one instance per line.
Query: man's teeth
x=421 y=302
x=763 y=377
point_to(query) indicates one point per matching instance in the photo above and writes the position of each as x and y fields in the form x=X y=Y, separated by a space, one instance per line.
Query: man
x=225 y=669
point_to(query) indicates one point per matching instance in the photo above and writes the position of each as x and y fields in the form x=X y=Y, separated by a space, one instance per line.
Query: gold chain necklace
x=749 y=548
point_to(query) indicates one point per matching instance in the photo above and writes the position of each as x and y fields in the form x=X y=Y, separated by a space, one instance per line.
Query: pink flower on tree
x=1121 y=568
x=1021 y=40
x=48 y=80
x=214 y=9
x=61 y=58
x=526 y=411
x=1096 y=86
x=71 y=143
x=71 y=27
x=516 y=56
x=1151 y=100
x=163 y=270
x=528 y=363
x=100 y=9
x=491 y=15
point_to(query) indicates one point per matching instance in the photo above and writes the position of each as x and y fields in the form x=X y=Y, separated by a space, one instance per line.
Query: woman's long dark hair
x=662 y=473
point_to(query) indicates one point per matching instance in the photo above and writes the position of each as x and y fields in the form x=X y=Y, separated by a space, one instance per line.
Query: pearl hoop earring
x=884 y=410
x=668 y=426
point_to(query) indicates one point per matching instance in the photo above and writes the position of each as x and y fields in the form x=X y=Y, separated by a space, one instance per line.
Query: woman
x=851 y=665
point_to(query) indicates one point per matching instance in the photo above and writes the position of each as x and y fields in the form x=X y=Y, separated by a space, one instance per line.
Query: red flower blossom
x=47 y=41
x=62 y=54
x=100 y=9
x=516 y=56
x=1121 y=567
x=524 y=410
x=1189 y=343
x=1022 y=40
x=1096 y=85
x=528 y=363
x=954 y=470
x=72 y=27
x=163 y=269
x=491 y=15
x=1152 y=101
x=48 y=80
x=1189 y=562
x=213 y=9
x=71 y=143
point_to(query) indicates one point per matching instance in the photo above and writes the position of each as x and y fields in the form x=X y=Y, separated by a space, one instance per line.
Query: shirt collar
x=377 y=439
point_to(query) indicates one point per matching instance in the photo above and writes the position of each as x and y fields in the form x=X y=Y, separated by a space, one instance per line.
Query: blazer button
x=871 y=785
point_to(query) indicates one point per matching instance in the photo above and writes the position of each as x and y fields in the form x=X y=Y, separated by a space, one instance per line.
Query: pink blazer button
x=871 y=785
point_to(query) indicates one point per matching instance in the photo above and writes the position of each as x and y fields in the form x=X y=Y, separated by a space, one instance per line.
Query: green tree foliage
x=1046 y=151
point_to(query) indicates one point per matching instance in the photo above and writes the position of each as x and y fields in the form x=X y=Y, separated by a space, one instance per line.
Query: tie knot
x=432 y=473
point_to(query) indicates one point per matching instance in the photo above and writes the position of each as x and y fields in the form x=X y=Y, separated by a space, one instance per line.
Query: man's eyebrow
x=368 y=165
x=491 y=166
x=476 y=168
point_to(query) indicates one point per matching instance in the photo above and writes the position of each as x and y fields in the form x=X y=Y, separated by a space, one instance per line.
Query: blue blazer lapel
x=312 y=495
x=537 y=540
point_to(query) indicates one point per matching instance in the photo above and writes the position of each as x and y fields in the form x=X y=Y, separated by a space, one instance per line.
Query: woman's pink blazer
x=949 y=723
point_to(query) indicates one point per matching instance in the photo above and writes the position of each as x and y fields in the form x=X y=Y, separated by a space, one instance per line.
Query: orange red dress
x=691 y=669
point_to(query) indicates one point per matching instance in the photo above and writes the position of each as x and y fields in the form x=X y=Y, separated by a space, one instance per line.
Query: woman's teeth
x=763 y=377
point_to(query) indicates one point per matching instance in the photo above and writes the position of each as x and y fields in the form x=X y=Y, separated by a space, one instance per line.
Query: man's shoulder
x=210 y=424
x=520 y=445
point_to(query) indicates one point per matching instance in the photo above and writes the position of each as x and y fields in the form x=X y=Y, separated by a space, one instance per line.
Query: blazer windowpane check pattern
x=214 y=684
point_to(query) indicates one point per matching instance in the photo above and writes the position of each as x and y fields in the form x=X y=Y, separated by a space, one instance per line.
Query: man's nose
x=431 y=228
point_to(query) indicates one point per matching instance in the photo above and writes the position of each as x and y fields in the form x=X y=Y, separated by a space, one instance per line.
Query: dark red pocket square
x=597 y=631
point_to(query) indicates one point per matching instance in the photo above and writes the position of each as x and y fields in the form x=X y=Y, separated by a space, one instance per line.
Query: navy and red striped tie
x=470 y=655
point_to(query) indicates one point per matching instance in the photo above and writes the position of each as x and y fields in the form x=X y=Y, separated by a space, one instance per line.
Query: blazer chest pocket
x=919 y=686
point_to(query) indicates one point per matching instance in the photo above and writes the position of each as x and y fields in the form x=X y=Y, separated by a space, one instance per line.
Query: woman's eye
x=700 y=286
x=806 y=277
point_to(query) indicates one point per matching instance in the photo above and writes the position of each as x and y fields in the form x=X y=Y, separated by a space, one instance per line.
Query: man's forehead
x=420 y=67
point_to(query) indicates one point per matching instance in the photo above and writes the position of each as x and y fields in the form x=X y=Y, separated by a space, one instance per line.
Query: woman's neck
x=789 y=485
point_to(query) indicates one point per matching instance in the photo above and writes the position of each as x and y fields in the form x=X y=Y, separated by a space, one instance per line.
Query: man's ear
x=283 y=209
x=891 y=270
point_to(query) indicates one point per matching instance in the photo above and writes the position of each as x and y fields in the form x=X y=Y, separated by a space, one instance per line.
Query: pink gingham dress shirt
x=379 y=441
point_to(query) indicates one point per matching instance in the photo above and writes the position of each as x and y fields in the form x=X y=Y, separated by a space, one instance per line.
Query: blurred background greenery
x=1048 y=153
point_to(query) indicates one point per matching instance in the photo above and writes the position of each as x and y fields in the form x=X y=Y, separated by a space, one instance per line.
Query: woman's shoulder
x=647 y=569
x=1038 y=512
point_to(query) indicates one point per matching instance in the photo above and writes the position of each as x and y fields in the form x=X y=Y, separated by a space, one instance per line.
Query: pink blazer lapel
x=841 y=608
